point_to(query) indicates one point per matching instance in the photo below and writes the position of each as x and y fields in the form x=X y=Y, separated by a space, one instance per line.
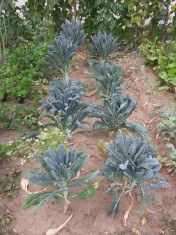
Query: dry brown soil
x=89 y=217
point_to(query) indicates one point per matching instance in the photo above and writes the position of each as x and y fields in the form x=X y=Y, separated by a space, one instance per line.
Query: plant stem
x=66 y=201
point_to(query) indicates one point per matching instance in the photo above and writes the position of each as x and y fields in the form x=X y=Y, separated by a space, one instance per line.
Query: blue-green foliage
x=59 y=168
x=64 y=107
x=114 y=114
x=131 y=163
x=109 y=77
x=104 y=45
x=61 y=54
x=73 y=30
x=65 y=46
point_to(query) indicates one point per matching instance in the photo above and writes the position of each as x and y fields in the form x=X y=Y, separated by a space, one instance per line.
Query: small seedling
x=9 y=185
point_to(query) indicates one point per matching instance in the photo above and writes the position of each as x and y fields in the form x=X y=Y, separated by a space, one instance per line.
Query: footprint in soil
x=89 y=218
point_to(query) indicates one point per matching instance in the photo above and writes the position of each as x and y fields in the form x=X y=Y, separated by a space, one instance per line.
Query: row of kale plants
x=131 y=162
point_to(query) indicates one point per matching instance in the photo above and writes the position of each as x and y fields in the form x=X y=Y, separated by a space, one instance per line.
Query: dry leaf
x=135 y=231
x=8 y=211
x=75 y=68
x=162 y=231
x=145 y=104
x=116 y=184
x=24 y=184
x=77 y=176
x=157 y=225
x=143 y=221
x=150 y=211
x=148 y=92
x=70 y=144
x=157 y=136
x=127 y=212
x=81 y=56
x=91 y=93
x=56 y=230
x=150 y=121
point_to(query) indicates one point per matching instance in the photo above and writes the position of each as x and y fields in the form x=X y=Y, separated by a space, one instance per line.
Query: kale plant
x=109 y=77
x=104 y=45
x=114 y=114
x=60 y=168
x=131 y=163
x=64 y=107
x=74 y=31
x=61 y=54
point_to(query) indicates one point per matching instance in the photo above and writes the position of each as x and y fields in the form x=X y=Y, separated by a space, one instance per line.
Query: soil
x=89 y=217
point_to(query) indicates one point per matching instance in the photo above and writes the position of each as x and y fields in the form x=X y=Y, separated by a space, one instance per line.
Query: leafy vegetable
x=157 y=54
x=64 y=107
x=22 y=68
x=109 y=77
x=114 y=114
x=104 y=45
x=74 y=31
x=131 y=163
x=61 y=54
x=60 y=168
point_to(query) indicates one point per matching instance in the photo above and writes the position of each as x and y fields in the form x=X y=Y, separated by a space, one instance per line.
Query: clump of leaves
x=13 y=118
x=168 y=222
x=9 y=185
x=109 y=77
x=156 y=54
x=64 y=107
x=60 y=169
x=168 y=125
x=74 y=31
x=23 y=66
x=102 y=147
x=7 y=150
x=6 y=219
x=172 y=160
x=61 y=54
x=104 y=45
x=131 y=163
x=114 y=114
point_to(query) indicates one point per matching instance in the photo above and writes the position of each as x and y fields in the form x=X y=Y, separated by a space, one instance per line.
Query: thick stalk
x=66 y=201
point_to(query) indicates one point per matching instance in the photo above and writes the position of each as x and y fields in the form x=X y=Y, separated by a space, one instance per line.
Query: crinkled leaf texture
x=104 y=45
x=114 y=207
x=64 y=107
x=131 y=159
x=74 y=31
x=61 y=54
x=114 y=114
x=61 y=166
x=109 y=77
x=37 y=199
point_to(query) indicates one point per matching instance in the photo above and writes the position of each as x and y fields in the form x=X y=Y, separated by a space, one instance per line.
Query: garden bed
x=89 y=216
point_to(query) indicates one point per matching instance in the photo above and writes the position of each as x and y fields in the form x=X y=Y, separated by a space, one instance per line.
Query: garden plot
x=90 y=216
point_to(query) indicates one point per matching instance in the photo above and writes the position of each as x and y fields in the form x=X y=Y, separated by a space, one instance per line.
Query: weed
x=9 y=185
